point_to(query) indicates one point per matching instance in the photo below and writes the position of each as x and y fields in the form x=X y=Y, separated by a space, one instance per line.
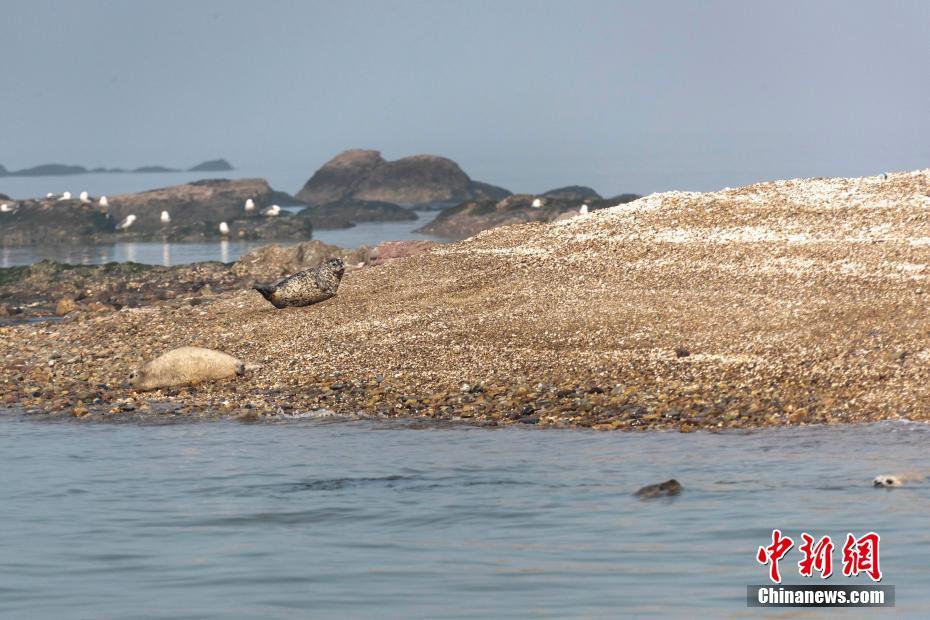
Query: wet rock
x=347 y=213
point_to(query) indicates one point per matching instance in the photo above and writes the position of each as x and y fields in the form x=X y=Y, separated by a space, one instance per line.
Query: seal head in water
x=307 y=287
x=663 y=489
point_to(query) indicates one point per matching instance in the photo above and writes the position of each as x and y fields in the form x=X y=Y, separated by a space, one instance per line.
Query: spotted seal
x=185 y=366
x=663 y=489
x=306 y=287
x=890 y=481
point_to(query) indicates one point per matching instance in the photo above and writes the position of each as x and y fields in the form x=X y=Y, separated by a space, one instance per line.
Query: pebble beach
x=787 y=302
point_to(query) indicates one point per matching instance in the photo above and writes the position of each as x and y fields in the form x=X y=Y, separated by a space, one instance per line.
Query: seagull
x=583 y=210
x=249 y=205
x=65 y=196
x=50 y=195
x=537 y=203
x=272 y=211
x=5 y=208
x=126 y=223
x=85 y=197
x=165 y=217
x=224 y=228
x=104 y=202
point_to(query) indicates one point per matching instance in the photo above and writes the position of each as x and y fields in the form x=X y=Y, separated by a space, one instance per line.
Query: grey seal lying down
x=185 y=366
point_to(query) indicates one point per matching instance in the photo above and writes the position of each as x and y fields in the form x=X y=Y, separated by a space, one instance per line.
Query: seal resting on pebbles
x=185 y=366
x=663 y=489
x=306 y=287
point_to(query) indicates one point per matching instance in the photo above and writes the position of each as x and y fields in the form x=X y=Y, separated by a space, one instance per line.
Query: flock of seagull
x=272 y=211
x=129 y=220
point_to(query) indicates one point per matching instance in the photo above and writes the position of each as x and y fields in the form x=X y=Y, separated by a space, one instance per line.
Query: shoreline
x=791 y=302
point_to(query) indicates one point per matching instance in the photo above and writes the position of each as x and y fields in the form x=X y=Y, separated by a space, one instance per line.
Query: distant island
x=56 y=170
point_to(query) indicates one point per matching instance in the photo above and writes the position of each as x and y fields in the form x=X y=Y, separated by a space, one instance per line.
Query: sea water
x=349 y=519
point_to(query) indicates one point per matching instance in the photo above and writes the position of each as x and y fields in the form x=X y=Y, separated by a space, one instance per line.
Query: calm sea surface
x=336 y=519
x=168 y=254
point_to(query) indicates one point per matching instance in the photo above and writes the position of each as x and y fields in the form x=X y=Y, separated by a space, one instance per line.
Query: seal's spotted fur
x=306 y=287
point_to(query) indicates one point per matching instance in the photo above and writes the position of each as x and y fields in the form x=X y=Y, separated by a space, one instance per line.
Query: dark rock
x=50 y=222
x=200 y=205
x=418 y=181
x=473 y=216
x=682 y=352
x=663 y=489
x=196 y=210
x=213 y=165
x=155 y=169
x=347 y=213
x=573 y=192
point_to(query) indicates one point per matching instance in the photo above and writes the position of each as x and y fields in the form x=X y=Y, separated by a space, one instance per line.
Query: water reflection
x=169 y=253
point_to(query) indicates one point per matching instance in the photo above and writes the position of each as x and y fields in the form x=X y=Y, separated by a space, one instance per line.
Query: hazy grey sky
x=623 y=96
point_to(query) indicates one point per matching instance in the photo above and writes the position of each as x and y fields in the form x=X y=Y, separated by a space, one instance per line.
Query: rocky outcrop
x=276 y=261
x=573 y=192
x=348 y=213
x=473 y=216
x=49 y=288
x=420 y=181
x=214 y=200
x=195 y=211
x=213 y=165
x=51 y=222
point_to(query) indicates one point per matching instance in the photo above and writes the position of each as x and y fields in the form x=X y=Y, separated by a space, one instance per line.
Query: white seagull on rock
x=272 y=211
x=65 y=196
x=104 y=202
x=224 y=228
x=85 y=197
x=126 y=223
x=50 y=195
x=165 y=217
x=5 y=208
x=537 y=203
x=583 y=210
x=249 y=205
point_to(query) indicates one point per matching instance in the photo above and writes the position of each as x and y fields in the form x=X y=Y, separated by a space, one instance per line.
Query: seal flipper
x=266 y=291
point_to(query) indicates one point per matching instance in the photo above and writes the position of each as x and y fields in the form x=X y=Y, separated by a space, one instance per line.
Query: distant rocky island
x=188 y=212
x=418 y=182
x=55 y=170
x=355 y=187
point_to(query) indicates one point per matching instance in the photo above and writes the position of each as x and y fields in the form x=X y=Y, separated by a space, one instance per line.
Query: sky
x=621 y=96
